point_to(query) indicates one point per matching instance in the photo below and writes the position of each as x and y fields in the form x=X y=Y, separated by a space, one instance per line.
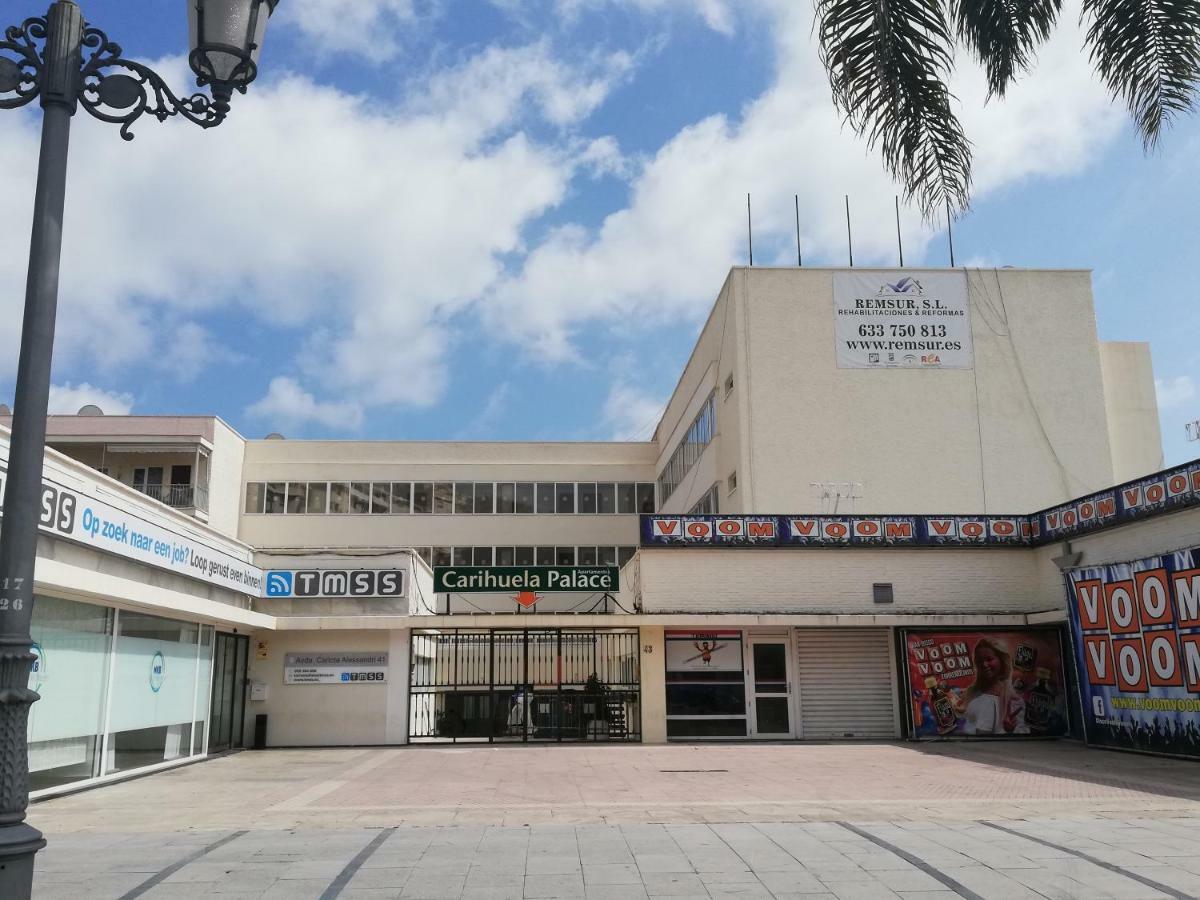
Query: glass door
x=771 y=688
x=228 y=692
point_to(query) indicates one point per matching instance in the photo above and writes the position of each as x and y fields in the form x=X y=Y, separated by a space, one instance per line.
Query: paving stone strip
x=176 y=866
x=1148 y=882
x=355 y=864
x=958 y=888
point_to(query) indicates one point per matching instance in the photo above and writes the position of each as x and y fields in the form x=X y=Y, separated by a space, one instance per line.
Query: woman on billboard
x=993 y=706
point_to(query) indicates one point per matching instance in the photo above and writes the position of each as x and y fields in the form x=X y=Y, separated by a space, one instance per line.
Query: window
x=401 y=497
x=524 y=556
x=564 y=556
x=706 y=505
x=443 y=498
x=545 y=498
x=506 y=498
x=566 y=498
x=625 y=554
x=255 y=497
x=506 y=557
x=481 y=556
x=461 y=556
x=699 y=435
x=606 y=498
x=484 y=497
x=587 y=498
x=587 y=556
x=339 y=497
x=732 y=482
x=645 y=498
x=524 y=497
x=545 y=556
x=381 y=498
x=318 y=497
x=627 y=498
x=426 y=553
x=441 y=556
x=606 y=556
x=464 y=497
x=422 y=497
x=295 y=498
x=360 y=497
x=275 y=498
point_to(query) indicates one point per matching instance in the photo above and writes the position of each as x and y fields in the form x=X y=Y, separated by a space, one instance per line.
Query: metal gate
x=525 y=685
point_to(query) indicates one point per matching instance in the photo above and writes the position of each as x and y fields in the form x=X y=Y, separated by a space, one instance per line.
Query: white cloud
x=666 y=253
x=631 y=412
x=366 y=28
x=288 y=405
x=1174 y=392
x=68 y=399
x=716 y=14
x=355 y=231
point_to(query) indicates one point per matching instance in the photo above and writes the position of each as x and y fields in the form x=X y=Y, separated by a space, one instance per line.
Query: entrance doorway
x=770 y=683
x=227 y=716
x=525 y=685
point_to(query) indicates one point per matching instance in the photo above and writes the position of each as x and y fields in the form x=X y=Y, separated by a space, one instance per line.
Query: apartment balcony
x=179 y=496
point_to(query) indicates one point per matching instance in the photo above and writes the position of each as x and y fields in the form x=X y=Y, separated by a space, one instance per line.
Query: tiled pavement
x=1008 y=821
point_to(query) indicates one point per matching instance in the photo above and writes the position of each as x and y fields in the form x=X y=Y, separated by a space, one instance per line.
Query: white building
x=809 y=415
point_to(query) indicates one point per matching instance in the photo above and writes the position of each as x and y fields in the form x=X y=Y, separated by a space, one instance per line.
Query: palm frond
x=1148 y=53
x=888 y=63
x=1003 y=34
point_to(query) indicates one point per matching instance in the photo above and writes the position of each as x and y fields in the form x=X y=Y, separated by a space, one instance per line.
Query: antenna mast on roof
x=749 y=230
x=849 y=237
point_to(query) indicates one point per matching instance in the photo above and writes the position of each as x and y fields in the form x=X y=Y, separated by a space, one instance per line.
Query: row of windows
x=698 y=436
x=447 y=497
x=526 y=556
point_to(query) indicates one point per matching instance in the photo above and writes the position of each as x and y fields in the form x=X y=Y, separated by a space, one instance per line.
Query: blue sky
x=507 y=219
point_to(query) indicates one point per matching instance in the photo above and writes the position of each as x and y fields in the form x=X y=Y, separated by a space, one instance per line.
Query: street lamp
x=65 y=63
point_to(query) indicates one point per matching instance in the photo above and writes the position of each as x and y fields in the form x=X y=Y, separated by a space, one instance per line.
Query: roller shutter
x=845 y=680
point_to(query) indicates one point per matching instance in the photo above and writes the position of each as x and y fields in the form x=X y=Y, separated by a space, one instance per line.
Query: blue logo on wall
x=158 y=671
x=279 y=584
x=345 y=676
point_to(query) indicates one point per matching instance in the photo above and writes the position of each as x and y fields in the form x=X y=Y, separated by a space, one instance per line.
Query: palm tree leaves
x=888 y=63
x=1003 y=34
x=1148 y=53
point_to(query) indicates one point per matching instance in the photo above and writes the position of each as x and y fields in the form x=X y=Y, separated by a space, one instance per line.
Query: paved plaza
x=1003 y=820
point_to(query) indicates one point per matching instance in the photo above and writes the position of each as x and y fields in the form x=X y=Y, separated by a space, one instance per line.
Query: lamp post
x=65 y=63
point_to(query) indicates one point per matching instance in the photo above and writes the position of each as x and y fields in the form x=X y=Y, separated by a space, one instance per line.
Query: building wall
x=925 y=580
x=330 y=714
x=1026 y=428
x=1133 y=425
x=225 y=479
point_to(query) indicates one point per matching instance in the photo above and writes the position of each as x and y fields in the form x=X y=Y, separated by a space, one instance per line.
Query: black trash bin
x=260 y=731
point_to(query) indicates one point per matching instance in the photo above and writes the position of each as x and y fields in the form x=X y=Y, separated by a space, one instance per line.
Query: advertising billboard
x=1136 y=631
x=986 y=683
x=902 y=320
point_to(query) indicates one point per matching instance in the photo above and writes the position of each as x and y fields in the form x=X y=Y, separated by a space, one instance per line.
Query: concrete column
x=396 y=726
x=654 y=685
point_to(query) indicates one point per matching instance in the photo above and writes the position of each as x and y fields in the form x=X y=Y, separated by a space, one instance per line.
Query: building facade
x=852 y=475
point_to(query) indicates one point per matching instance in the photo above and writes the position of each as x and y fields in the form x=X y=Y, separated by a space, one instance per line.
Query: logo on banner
x=906 y=285
x=279 y=584
x=158 y=671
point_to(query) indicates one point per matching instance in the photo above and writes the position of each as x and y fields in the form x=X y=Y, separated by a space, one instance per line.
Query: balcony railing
x=180 y=496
